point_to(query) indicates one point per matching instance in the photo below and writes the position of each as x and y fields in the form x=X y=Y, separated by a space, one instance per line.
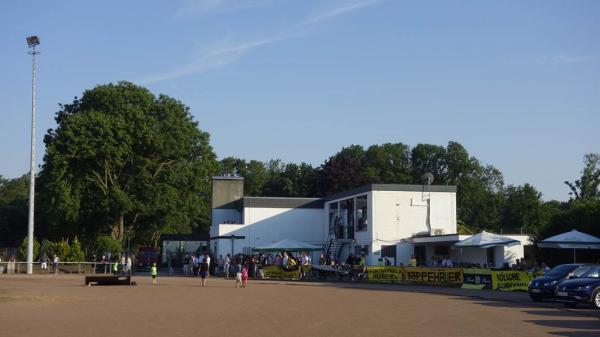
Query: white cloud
x=563 y=59
x=337 y=11
x=199 y=7
x=226 y=52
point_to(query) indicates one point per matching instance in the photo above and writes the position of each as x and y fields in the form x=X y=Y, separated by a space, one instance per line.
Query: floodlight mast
x=32 y=41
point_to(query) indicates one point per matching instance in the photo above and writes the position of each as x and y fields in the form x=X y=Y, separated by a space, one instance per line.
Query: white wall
x=400 y=215
x=263 y=226
x=220 y=216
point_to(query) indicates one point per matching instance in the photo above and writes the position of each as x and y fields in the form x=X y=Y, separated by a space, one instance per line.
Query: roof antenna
x=427 y=179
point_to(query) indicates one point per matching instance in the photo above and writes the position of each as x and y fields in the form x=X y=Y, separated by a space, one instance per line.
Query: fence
x=20 y=267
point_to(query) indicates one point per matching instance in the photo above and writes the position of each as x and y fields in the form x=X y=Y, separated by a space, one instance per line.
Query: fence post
x=79 y=267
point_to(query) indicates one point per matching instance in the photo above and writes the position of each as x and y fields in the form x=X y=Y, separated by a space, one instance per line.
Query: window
x=333 y=217
x=346 y=224
x=440 y=250
x=491 y=257
x=361 y=213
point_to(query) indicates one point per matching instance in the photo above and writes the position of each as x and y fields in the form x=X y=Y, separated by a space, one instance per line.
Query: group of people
x=44 y=263
x=194 y=265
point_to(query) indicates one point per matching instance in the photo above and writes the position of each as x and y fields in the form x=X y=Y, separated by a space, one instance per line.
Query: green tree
x=522 y=208
x=588 y=185
x=343 y=171
x=388 y=164
x=61 y=249
x=14 y=194
x=122 y=159
x=75 y=252
x=23 y=249
x=47 y=247
x=107 y=244
x=429 y=158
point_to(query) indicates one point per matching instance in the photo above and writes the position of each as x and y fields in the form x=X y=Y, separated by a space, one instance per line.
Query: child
x=245 y=276
x=153 y=272
x=238 y=275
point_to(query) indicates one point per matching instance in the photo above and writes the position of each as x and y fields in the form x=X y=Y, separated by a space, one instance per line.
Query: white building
x=377 y=220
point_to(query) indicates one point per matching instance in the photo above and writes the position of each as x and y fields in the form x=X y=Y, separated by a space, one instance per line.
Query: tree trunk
x=118 y=228
x=121 y=226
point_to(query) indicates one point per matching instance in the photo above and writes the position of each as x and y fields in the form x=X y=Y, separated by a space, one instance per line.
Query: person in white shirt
x=226 y=265
x=285 y=260
x=449 y=263
x=55 y=260
x=305 y=262
x=128 y=264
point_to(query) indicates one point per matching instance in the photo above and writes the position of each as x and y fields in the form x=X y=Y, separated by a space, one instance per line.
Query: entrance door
x=420 y=255
x=389 y=252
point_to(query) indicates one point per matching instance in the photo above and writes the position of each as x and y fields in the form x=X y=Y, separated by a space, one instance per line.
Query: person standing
x=55 y=260
x=123 y=263
x=204 y=266
x=226 y=265
x=238 y=274
x=412 y=262
x=128 y=265
x=285 y=260
x=245 y=276
x=186 y=262
x=44 y=263
x=115 y=267
x=93 y=264
x=304 y=264
x=154 y=273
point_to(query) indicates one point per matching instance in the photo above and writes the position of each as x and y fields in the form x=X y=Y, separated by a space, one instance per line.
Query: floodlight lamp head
x=427 y=178
x=33 y=41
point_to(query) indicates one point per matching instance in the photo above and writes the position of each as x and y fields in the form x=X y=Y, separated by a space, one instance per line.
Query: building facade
x=391 y=221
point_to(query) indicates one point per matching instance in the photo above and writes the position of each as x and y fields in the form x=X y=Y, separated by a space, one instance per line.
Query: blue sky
x=516 y=82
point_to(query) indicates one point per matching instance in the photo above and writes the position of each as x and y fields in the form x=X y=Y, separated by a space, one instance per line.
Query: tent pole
x=574 y=259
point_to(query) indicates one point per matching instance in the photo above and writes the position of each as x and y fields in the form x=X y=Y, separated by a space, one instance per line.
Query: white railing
x=20 y=267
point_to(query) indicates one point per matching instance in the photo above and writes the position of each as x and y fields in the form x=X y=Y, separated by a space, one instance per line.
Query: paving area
x=177 y=306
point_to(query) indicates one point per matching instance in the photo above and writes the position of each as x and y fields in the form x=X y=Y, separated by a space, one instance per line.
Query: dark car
x=584 y=289
x=543 y=286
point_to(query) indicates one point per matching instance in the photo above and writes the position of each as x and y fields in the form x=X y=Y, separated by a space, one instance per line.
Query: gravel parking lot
x=177 y=306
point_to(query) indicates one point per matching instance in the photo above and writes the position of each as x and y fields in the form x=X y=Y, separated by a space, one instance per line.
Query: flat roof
x=392 y=187
x=201 y=236
x=227 y=178
x=282 y=202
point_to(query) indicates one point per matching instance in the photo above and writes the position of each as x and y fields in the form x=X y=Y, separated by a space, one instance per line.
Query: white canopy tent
x=571 y=240
x=486 y=240
x=288 y=245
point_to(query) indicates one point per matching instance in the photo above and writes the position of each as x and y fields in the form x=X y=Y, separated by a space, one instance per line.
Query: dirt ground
x=61 y=306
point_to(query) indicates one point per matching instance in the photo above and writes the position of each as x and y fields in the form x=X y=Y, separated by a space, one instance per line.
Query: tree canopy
x=124 y=162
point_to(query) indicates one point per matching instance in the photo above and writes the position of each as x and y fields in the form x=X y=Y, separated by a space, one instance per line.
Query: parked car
x=542 y=287
x=584 y=289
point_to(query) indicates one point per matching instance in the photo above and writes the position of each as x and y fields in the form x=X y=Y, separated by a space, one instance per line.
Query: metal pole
x=32 y=170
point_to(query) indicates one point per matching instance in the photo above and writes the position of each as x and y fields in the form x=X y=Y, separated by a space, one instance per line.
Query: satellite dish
x=427 y=178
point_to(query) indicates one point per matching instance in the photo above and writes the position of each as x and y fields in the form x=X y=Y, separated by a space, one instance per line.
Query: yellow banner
x=510 y=280
x=384 y=274
x=278 y=272
x=433 y=275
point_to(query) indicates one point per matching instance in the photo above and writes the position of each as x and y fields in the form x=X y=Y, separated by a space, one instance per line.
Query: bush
x=23 y=249
x=106 y=244
x=47 y=247
x=75 y=252
x=61 y=249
